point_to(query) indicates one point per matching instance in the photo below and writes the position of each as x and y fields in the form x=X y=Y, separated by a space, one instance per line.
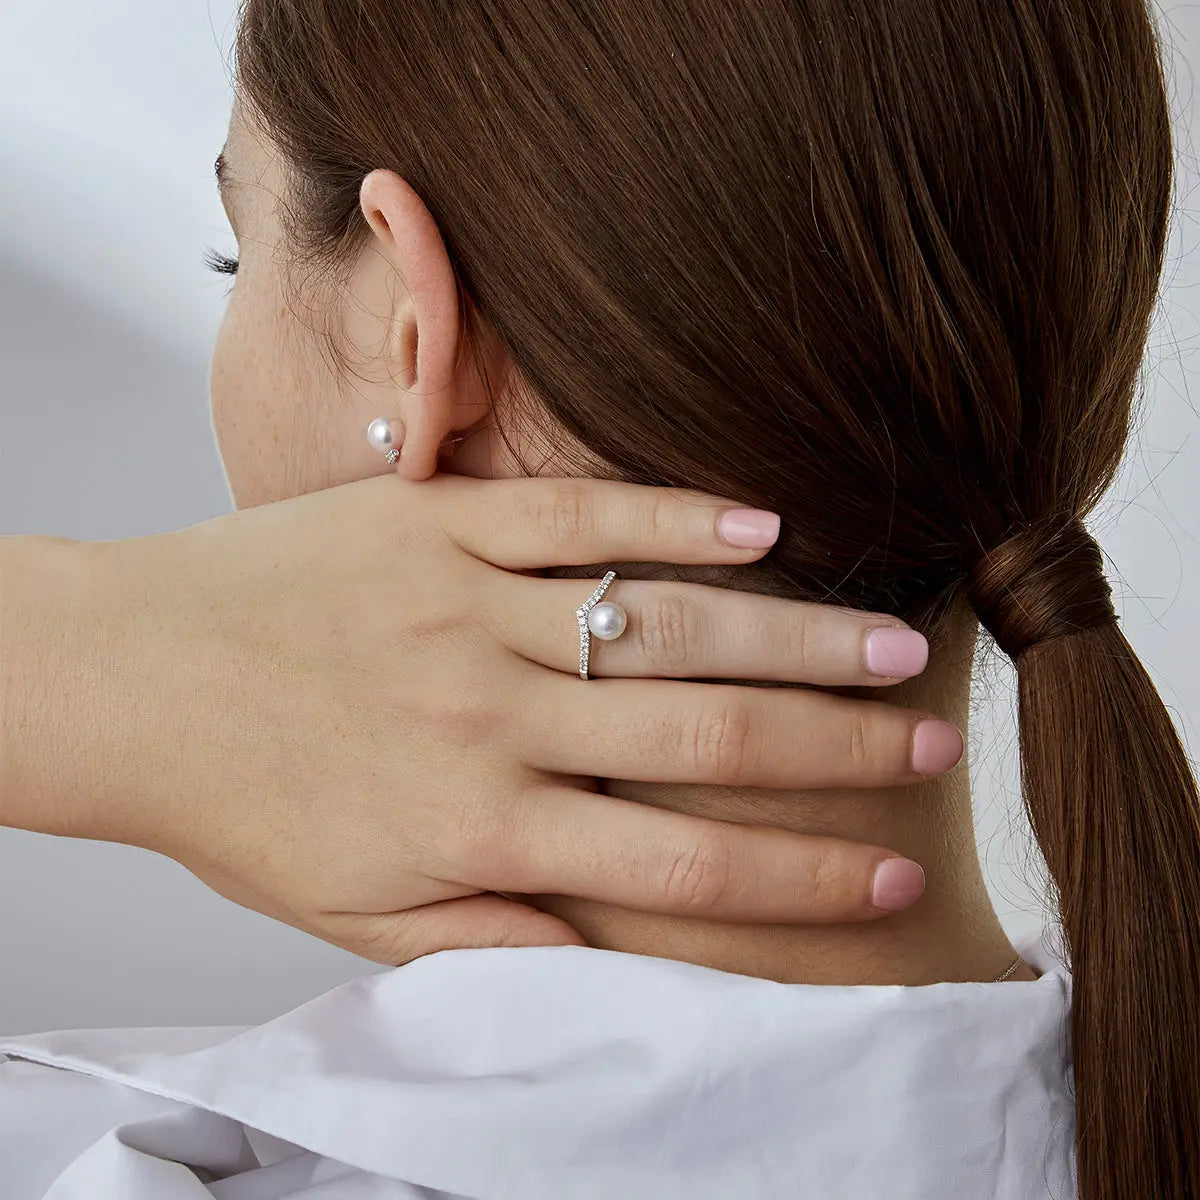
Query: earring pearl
x=607 y=621
x=379 y=434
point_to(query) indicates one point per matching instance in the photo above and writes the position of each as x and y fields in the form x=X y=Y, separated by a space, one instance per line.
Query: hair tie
x=1045 y=581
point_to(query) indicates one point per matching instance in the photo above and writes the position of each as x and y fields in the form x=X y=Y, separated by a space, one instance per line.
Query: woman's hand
x=359 y=712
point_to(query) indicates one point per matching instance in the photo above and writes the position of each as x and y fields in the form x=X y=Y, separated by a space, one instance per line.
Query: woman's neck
x=951 y=933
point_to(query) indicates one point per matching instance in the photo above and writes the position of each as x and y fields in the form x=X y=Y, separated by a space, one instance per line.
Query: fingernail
x=901 y=653
x=748 y=528
x=898 y=882
x=937 y=746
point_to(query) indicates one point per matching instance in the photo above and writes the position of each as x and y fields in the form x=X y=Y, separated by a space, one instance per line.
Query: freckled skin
x=299 y=371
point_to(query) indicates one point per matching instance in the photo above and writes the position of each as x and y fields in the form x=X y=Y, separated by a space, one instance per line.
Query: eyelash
x=214 y=260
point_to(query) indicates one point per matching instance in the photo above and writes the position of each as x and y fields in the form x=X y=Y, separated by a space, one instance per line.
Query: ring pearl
x=379 y=434
x=607 y=621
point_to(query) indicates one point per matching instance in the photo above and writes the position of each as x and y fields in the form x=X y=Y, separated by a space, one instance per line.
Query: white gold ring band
x=606 y=621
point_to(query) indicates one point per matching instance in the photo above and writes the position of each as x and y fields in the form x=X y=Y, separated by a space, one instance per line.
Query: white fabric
x=563 y=1073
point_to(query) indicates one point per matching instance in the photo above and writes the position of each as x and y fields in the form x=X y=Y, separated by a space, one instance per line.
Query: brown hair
x=886 y=268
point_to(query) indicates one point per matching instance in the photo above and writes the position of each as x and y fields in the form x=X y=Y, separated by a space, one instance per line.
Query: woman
x=885 y=273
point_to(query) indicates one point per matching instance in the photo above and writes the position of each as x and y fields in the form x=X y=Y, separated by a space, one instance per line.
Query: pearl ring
x=607 y=621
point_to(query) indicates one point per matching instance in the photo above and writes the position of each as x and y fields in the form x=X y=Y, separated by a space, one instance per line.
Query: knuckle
x=698 y=878
x=859 y=748
x=824 y=881
x=466 y=718
x=721 y=744
x=806 y=645
x=668 y=634
x=568 y=516
x=441 y=605
x=664 y=518
x=480 y=842
x=799 y=641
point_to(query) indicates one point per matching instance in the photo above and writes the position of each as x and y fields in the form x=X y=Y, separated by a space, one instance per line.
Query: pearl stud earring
x=382 y=434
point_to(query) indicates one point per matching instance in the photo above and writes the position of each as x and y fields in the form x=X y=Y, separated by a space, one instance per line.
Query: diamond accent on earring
x=581 y=615
x=393 y=457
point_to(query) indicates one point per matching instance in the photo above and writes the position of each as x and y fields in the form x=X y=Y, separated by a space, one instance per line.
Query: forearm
x=55 y=714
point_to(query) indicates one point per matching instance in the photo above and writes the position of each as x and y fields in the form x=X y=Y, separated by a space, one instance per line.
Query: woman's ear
x=424 y=322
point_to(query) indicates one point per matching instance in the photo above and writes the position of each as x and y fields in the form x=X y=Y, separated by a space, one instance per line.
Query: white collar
x=580 y=1074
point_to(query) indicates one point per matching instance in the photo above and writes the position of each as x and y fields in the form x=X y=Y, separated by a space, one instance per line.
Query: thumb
x=470 y=923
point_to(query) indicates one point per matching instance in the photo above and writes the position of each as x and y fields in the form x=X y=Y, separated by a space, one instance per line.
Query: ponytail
x=885 y=269
x=1114 y=806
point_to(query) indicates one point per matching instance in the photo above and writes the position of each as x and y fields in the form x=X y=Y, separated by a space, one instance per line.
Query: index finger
x=527 y=523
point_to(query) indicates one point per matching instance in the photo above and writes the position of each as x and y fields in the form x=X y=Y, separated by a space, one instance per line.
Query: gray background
x=110 y=118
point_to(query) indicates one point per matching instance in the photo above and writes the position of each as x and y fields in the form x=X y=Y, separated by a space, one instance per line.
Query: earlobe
x=422 y=438
x=388 y=436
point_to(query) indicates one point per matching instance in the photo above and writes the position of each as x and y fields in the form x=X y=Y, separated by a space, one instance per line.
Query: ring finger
x=690 y=630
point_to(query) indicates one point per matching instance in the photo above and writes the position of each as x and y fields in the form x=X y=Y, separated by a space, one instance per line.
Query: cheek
x=224 y=376
x=242 y=400
x=268 y=404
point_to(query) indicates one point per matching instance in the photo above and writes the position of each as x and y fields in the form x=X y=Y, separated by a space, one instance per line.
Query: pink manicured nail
x=749 y=528
x=898 y=882
x=937 y=746
x=900 y=653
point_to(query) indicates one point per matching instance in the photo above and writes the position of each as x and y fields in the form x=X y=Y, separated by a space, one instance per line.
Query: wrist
x=53 y=694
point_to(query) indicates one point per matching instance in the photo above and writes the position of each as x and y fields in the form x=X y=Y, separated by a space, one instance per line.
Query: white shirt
x=563 y=1073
